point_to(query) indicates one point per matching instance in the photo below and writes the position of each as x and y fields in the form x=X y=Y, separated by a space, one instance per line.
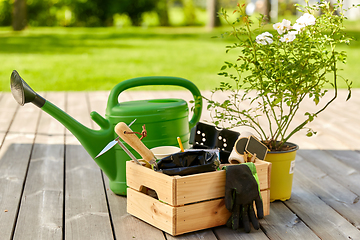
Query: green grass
x=76 y=59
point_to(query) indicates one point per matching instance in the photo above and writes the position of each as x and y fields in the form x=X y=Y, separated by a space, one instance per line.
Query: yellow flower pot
x=282 y=171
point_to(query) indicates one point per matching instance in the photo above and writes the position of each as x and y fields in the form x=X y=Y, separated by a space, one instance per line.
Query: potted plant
x=273 y=74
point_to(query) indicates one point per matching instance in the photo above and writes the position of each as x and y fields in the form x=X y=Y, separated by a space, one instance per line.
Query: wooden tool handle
x=133 y=141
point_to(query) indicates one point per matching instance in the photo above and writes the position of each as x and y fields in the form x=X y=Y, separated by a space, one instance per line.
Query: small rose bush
x=275 y=72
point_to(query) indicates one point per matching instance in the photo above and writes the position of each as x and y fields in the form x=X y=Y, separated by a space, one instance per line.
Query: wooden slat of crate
x=199 y=187
x=177 y=190
x=201 y=215
x=182 y=219
x=263 y=170
x=151 y=210
x=138 y=176
x=265 y=194
x=185 y=203
x=177 y=220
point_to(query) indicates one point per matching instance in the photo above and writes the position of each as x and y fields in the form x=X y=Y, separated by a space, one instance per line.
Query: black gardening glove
x=241 y=191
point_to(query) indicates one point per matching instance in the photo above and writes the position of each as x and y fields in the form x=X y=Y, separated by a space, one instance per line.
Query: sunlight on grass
x=52 y=59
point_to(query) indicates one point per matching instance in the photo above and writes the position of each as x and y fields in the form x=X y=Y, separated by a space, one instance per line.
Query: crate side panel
x=151 y=210
x=201 y=216
x=199 y=187
x=265 y=194
x=138 y=176
x=262 y=169
x=269 y=174
x=211 y=185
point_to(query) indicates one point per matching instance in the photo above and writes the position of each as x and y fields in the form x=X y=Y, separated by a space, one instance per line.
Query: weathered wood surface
x=50 y=188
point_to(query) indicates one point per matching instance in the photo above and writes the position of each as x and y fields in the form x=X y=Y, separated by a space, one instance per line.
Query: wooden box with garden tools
x=181 y=204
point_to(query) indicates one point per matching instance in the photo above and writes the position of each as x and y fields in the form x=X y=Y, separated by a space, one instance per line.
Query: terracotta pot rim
x=296 y=147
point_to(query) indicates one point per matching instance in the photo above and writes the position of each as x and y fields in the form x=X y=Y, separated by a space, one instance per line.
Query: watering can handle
x=156 y=80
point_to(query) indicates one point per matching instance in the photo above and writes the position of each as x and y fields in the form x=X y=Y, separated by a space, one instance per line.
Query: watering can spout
x=23 y=93
x=92 y=140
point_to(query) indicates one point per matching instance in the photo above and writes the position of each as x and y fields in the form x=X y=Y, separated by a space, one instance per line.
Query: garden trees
x=135 y=8
x=212 y=9
x=19 y=15
x=162 y=11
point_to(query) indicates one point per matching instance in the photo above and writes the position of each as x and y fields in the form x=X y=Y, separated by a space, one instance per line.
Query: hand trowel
x=121 y=129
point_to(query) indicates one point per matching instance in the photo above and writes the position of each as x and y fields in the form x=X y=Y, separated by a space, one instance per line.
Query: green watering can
x=165 y=120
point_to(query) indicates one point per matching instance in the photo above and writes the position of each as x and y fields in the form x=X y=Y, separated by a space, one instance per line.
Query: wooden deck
x=50 y=188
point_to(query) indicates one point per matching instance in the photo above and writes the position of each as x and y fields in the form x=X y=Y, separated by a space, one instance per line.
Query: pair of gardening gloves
x=241 y=191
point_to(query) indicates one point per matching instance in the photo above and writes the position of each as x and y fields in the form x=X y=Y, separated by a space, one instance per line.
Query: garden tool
x=122 y=129
x=241 y=191
x=114 y=142
x=128 y=152
x=165 y=119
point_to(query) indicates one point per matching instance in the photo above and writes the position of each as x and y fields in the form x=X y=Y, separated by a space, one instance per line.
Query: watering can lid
x=170 y=108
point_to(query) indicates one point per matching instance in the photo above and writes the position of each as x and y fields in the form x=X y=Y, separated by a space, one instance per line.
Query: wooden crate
x=184 y=203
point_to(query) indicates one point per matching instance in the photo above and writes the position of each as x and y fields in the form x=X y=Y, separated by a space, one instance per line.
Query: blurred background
x=94 y=44
x=105 y=13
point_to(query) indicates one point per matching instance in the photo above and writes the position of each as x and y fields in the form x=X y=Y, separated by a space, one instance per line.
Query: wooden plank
x=14 y=158
x=161 y=183
x=348 y=157
x=334 y=129
x=280 y=224
x=201 y=215
x=202 y=234
x=320 y=217
x=151 y=210
x=125 y=225
x=97 y=102
x=284 y=224
x=342 y=132
x=336 y=126
x=225 y=233
x=86 y=212
x=340 y=172
x=40 y=215
x=177 y=220
x=199 y=187
x=343 y=200
x=265 y=195
x=341 y=107
x=8 y=107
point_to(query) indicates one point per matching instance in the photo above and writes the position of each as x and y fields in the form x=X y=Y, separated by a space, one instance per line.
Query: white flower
x=264 y=38
x=286 y=24
x=298 y=27
x=288 y=37
x=306 y=19
x=283 y=26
